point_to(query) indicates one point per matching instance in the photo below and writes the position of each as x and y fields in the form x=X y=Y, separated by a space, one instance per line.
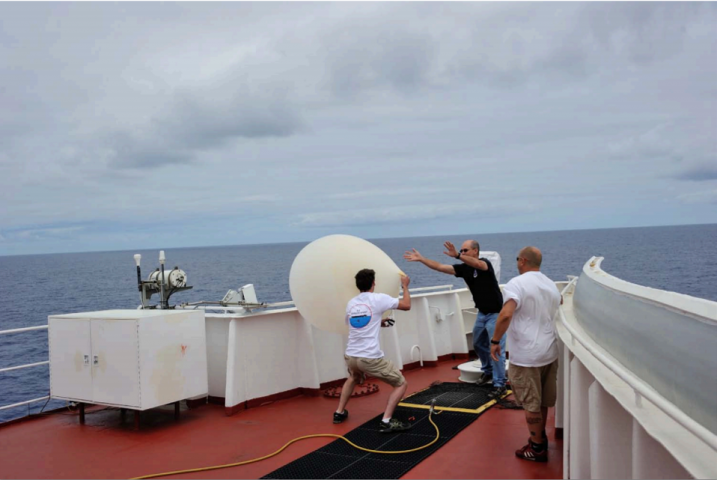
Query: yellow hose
x=328 y=435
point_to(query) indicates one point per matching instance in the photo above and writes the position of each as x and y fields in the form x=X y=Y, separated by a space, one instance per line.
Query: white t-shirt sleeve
x=386 y=302
x=512 y=291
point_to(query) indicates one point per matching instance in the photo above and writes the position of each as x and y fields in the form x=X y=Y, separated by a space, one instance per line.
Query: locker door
x=70 y=371
x=115 y=362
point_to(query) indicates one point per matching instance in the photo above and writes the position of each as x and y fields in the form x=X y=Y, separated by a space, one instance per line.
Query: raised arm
x=405 y=302
x=415 y=256
x=468 y=260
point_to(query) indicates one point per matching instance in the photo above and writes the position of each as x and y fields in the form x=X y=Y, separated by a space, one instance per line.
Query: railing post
x=565 y=361
x=559 y=403
x=580 y=381
x=610 y=436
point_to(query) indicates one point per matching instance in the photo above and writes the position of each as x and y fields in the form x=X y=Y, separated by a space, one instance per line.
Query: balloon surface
x=322 y=278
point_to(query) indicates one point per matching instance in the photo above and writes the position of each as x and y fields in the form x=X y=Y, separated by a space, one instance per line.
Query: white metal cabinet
x=72 y=362
x=137 y=359
x=115 y=363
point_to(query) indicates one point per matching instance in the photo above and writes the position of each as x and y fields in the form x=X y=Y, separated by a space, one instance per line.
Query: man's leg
x=536 y=425
x=525 y=382
x=393 y=399
x=498 y=367
x=544 y=414
x=386 y=371
x=346 y=392
x=481 y=344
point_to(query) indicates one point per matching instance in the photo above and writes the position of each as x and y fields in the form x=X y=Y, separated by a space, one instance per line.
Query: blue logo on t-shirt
x=360 y=322
x=360 y=315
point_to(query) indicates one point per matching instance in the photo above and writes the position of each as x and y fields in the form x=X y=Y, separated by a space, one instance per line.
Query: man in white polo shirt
x=363 y=351
x=530 y=302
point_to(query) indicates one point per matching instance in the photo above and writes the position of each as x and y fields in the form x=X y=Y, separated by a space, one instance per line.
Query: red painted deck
x=56 y=446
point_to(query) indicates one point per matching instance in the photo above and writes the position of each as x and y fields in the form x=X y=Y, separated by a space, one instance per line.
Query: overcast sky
x=138 y=125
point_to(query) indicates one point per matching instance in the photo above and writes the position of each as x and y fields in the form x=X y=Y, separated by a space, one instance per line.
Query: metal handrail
x=26 y=402
x=437 y=287
x=639 y=387
x=28 y=365
x=22 y=330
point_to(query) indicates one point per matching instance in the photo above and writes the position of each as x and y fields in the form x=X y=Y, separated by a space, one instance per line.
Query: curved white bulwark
x=276 y=352
x=639 y=380
x=255 y=357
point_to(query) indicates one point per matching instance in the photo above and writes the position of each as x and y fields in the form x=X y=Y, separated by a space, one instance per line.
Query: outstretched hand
x=413 y=256
x=450 y=249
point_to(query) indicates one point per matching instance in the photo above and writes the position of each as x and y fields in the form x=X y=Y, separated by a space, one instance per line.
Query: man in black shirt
x=480 y=278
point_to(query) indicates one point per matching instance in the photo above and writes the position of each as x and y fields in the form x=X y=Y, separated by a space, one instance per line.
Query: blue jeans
x=482 y=333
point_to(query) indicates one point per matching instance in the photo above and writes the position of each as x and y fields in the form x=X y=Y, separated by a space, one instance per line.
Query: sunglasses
x=465 y=250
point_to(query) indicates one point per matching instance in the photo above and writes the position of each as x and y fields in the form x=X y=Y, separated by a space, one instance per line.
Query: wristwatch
x=493 y=342
x=458 y=256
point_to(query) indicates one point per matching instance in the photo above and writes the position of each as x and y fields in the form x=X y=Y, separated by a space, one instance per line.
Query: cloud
x=684 y=151
x=284 y=118
x=652 y=143
x=385 y=192
x=43 y=233
x=699 y=171
x=194 y=123
x=703 y=197
x=408 y=214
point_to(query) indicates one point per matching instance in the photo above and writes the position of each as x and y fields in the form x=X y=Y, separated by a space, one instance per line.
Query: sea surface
x=677 y=258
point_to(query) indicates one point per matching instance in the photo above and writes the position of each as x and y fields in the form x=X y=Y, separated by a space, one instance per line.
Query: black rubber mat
x=338 y=459
x=452 y=395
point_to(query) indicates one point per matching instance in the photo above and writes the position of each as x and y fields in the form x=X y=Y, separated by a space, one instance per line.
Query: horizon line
x=367 y=239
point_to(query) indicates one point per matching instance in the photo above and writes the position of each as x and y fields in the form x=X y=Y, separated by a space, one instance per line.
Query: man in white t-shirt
x=363 y=351
x=530 y=302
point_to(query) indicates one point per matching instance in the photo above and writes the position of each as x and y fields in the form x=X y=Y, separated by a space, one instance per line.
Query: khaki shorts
x=535 y=387
x=376 y=367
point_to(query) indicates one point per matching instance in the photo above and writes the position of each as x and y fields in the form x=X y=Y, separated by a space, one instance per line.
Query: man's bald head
x=532 y=256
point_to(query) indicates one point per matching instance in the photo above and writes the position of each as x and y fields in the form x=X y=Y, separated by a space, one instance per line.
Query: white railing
x=19 y=367
x=425 y=289
x=640 y=388
x=617 y=424
x=232 y=310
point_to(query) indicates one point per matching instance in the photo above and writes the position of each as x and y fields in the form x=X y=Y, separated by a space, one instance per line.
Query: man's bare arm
x=415 y=256
x=405 y=302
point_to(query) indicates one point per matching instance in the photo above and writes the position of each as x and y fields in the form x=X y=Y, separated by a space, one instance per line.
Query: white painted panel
x=70 y=357
x=329 y=350
x=425 y=331
x=173 y=357
x=650 y=459
x=217 y=329
x=269 y=350
x=457 y=325
x=115 y=362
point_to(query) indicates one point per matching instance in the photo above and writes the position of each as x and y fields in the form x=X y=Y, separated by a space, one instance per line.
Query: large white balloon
x=322 y=278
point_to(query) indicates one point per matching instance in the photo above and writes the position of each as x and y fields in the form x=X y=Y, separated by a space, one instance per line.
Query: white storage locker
x=136 y=359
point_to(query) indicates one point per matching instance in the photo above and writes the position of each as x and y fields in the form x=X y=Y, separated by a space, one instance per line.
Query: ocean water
x=680 y=259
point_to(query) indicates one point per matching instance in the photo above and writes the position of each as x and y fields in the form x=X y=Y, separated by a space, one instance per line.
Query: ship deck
x=56 y=446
